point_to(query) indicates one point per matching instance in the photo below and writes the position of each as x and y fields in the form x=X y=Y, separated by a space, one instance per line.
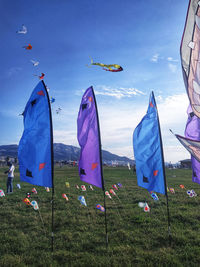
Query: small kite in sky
x=52 y=100
x=108 y=67
x=23 y=30
x=35 y=63
x=41 y=76
x=58 y=110
x=28 y=47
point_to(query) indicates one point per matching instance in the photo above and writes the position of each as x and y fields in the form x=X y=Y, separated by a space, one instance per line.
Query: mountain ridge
x=64 y=152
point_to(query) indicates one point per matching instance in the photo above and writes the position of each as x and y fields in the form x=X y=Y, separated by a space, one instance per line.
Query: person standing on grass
x=10 y=173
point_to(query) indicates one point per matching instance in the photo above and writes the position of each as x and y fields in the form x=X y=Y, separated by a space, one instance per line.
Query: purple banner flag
x=90 y=163
x=192 y=131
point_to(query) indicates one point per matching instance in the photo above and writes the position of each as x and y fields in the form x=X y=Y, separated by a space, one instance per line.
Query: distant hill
x=64 y=153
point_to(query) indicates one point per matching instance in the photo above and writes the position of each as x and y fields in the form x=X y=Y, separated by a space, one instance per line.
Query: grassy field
x=136 y=238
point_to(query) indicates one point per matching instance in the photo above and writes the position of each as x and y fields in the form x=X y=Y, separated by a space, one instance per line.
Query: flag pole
x=52 y=171
x=101 y=163
x=164 y=175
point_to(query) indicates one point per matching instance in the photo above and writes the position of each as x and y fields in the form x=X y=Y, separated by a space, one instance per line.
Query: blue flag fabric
x=35 y=147
x=148 y=151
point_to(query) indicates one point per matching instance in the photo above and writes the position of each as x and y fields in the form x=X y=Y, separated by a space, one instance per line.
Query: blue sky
x=142 y=36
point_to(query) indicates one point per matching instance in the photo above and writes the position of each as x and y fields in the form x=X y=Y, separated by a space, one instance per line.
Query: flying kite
x=190 y=60
x=35 y=63
x=58 y=110
x=23 y=30
x=28 y=47
x=108 y=67
x=190 y=57
x=52 y=100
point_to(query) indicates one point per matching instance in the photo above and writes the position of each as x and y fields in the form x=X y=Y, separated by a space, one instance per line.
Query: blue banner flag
x=148 y=151
x=35 y=152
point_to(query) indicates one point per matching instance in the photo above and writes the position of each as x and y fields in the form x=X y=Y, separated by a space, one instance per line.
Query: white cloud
x=13 y=71
x=66 y=137
x=172 y=67
x=171 y=59
x=118 y=92
x=155 y=58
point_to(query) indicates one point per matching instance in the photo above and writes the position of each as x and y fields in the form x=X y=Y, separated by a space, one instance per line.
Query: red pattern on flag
x=94 y=165
x=40 y=93
x=41 y=166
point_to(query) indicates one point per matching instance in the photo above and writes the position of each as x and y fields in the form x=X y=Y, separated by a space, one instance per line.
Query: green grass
x=136 y=238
